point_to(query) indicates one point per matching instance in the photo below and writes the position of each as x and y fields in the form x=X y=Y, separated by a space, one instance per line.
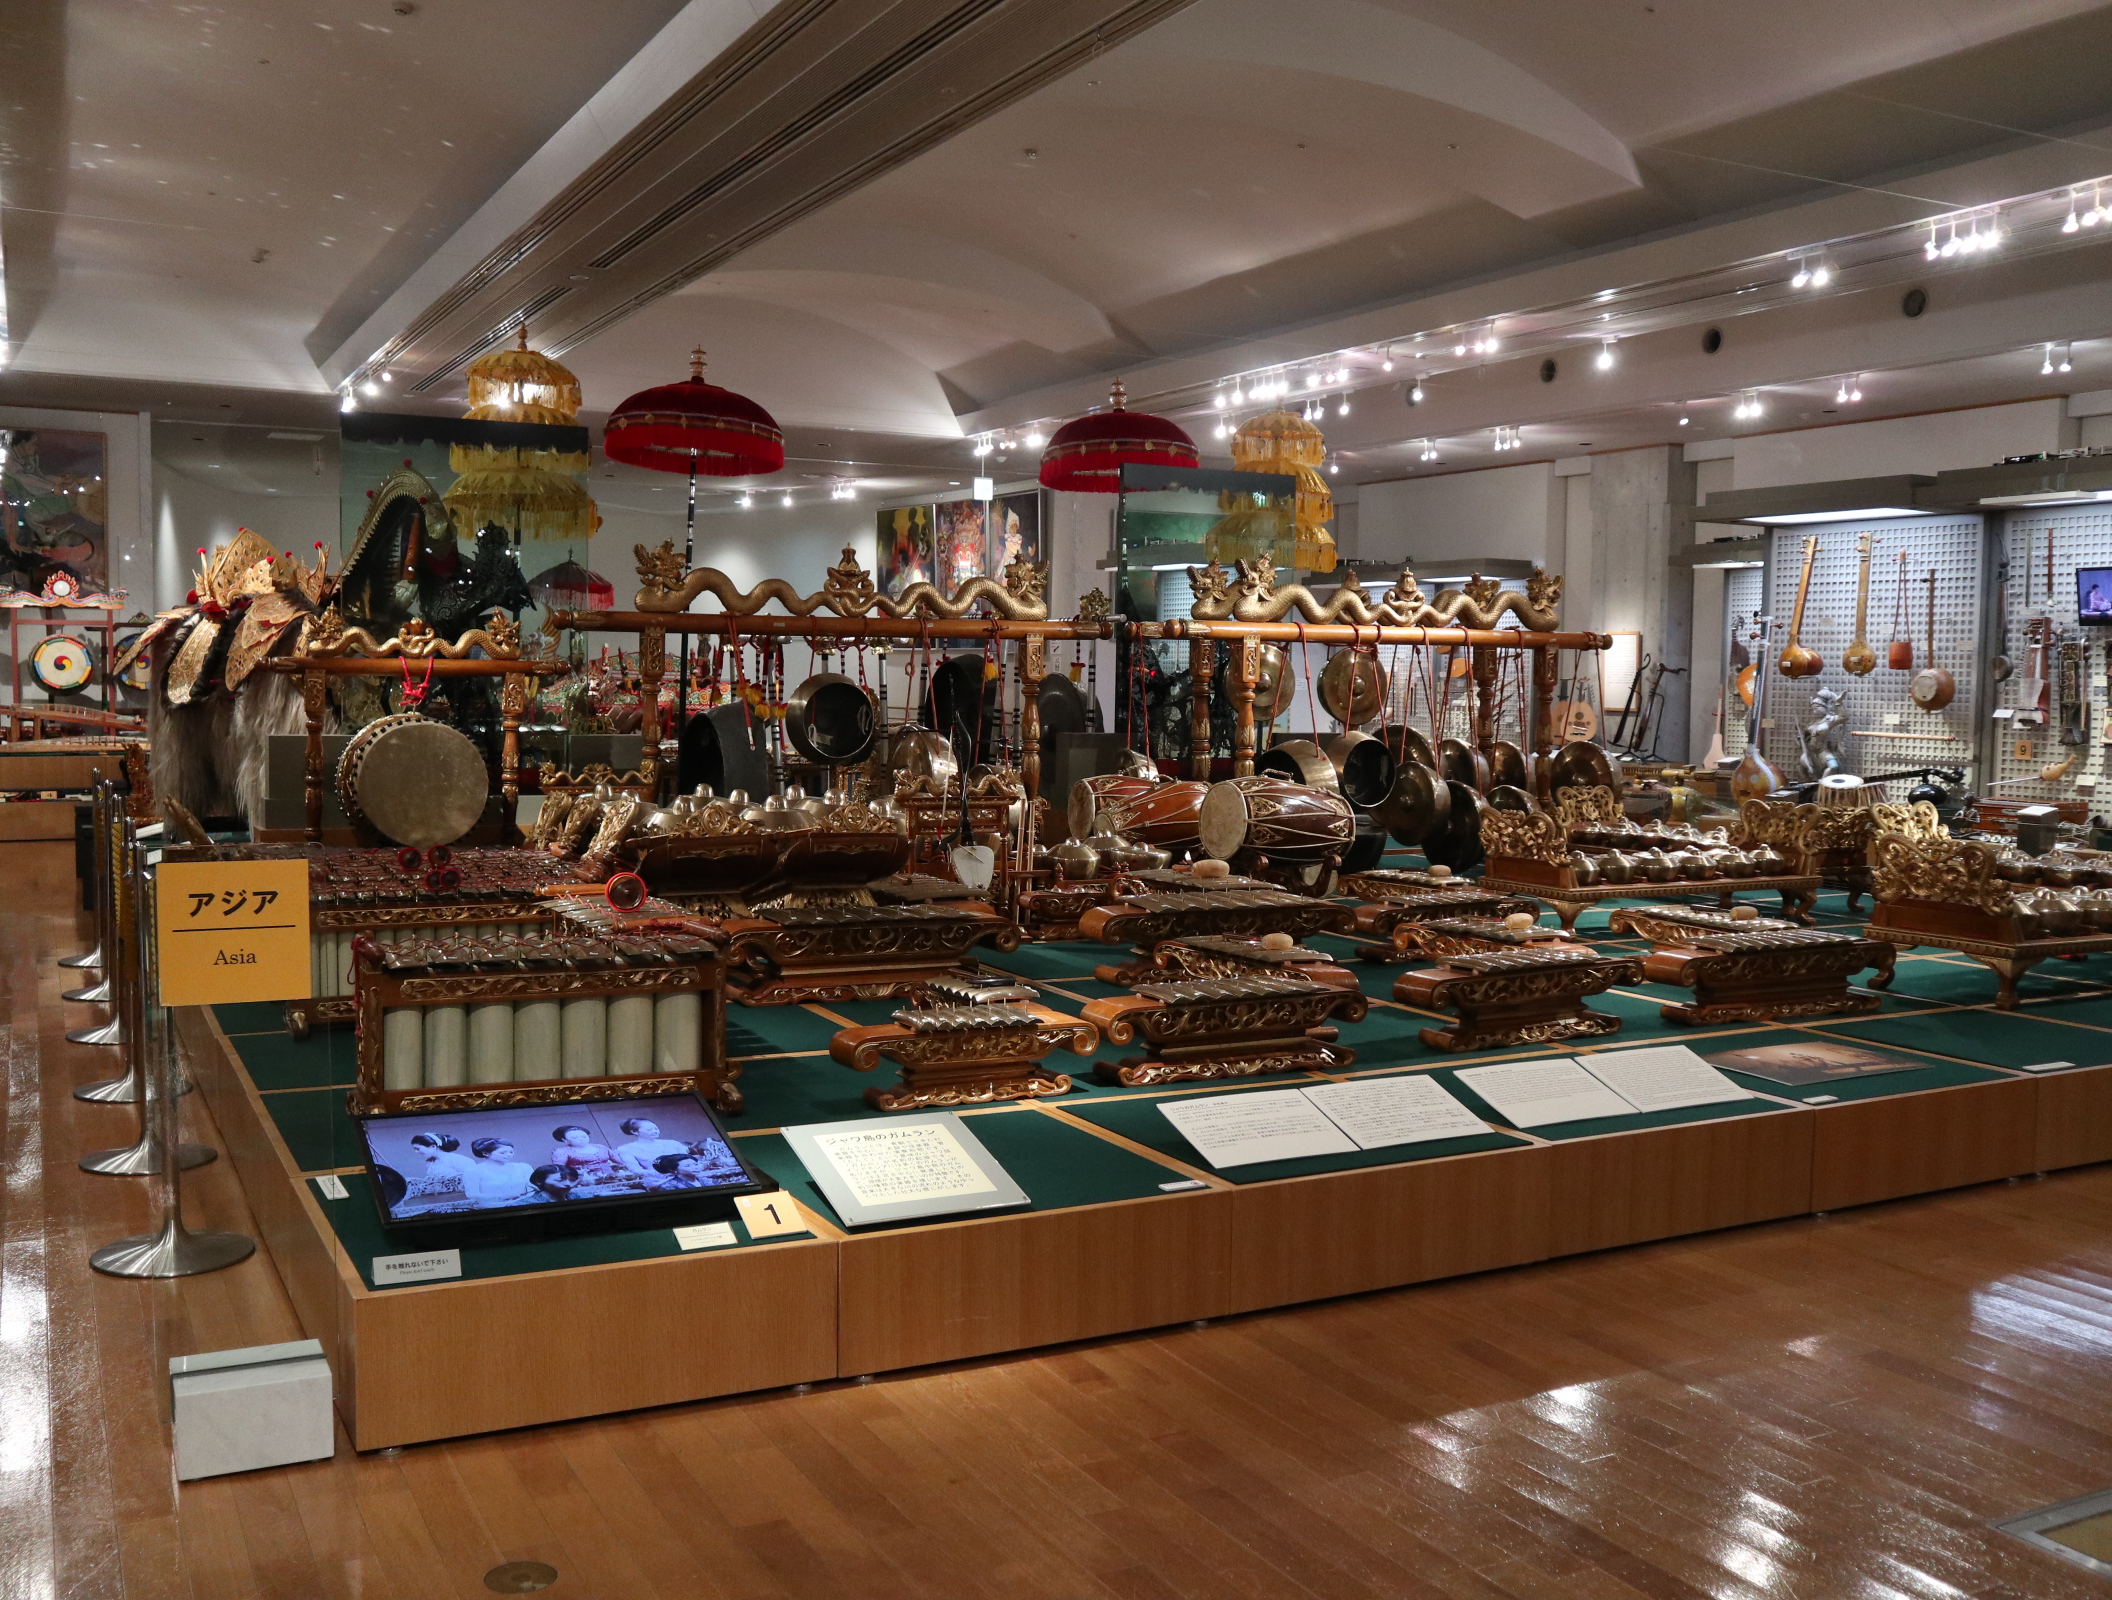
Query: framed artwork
x=1015 y=530
x=54 y=507
x=903 y=543
x=958 y=543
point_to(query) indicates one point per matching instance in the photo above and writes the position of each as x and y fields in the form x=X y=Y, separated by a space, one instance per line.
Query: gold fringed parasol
x=528 y=500
x=520 y=385
x=1279 y=441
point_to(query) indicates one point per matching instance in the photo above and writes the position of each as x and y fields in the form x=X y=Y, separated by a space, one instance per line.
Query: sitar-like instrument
x=1798 y=661
x=1859 y=660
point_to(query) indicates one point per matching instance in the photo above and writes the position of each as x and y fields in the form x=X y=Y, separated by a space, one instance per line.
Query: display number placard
x=770 y=1214
x=232 y=930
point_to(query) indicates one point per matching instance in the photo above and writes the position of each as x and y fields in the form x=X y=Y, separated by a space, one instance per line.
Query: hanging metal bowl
x=1417 y=805
x=1460 y=762
x=1408 y=745
x=1298 y=761
x=830 y=720
x=1352 y=687
x=1364 y=768
x=1508 y=765
x=1274 y=686
x=1580 y=764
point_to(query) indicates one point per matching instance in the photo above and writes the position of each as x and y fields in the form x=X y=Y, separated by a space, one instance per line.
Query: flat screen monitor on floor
x=2093 y=595
x=432 y=1167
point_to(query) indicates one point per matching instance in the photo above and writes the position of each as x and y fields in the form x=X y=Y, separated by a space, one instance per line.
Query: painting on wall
x=903 y=540
x=54 y=507
x=958 y=543
x=1015 y=530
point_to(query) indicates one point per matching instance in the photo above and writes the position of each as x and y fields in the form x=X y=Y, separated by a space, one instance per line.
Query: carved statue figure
x=1823 y=735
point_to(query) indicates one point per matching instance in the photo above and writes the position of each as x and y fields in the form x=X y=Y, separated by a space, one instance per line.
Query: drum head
x=1223 y=823
x=421 y=783
x=61 y=663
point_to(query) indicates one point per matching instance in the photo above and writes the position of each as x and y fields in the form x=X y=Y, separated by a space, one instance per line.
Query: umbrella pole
x=689 y=558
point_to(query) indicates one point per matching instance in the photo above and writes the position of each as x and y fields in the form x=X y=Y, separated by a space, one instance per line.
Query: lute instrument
x=1859 y=660
x=1755 y=777
x=1797 y=660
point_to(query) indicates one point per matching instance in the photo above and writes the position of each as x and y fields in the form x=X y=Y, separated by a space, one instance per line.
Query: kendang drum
x=1286 y=822
x=1090 y=797
x=413 y=780
x=1168 y=816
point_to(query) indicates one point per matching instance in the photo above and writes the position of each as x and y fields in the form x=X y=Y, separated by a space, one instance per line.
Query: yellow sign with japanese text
x=232 y=930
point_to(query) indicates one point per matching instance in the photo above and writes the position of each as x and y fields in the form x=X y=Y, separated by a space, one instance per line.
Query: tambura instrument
x=413 y=780
x=1167 y=816
x=61 y=663
x=1284 y=821
x=1091 y=796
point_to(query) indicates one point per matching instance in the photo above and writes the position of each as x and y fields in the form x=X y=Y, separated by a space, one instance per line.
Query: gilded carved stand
x=1206 y=1029
x=1524 y=996
x=1748 y=974
x=1148 y=919
x=965 y=1055
x=855 y=952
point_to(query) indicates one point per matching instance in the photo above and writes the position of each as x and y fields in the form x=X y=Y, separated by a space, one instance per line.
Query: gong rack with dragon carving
x=847 y=608
x=1246 y=608
x=328 y=649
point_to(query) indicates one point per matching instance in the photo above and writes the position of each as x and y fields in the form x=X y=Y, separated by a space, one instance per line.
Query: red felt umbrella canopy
x=1089 y=452
x=694 y=423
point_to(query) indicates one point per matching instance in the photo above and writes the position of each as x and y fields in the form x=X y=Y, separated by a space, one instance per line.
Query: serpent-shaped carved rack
x=846 y=607
x=1246 y=608
x=328 y=649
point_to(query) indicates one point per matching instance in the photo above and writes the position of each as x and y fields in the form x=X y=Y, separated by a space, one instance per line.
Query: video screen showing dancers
x=519 y=1158
x=2093 y=594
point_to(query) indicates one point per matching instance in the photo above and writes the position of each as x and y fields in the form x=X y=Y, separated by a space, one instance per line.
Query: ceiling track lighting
x=1748 y=406
x=785 y=500
x=1850 y=391
x=1429 y=450
x=1605 y=357
x=2058 y=358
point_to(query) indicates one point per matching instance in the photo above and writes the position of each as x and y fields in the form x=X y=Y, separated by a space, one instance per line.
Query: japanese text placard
x=232 y=930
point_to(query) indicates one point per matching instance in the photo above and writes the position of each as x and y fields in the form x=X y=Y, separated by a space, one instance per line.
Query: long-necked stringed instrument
x=1859 y=660
x=1798 y=661
x=1755 y=777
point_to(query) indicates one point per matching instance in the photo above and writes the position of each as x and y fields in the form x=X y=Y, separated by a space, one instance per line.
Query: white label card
x=1532 y=1094
x=332 y=1187
x=706 y=1236
x=1378 y=1112
x=422 y=1267
x=1662 y=1078
x=916 y=1161
x=1237 y=1130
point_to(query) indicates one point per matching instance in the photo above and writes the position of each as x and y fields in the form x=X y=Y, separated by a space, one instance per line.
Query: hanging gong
x=61 y=663
x=830 y=720
x=1274 y=687
x=413 y=780
x=1352 y=687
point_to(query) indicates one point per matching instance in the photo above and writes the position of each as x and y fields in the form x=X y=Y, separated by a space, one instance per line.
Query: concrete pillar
x=1633 y=497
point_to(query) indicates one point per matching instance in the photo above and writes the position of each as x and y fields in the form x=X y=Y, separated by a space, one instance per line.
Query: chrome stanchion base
x=124 y=1091
x=138 y=1161
x=92 y=994
x=111 y=1032
x=93 y=958
x=175 y=1252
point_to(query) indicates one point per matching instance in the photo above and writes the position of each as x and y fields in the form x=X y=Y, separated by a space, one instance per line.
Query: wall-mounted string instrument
x=1859 y=660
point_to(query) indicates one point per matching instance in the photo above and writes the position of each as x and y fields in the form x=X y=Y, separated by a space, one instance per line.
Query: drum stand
x=171 y=1250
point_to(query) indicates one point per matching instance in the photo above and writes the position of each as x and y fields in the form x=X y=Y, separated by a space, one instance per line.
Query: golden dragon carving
x=1250 y=594
x=325 y=634
x=849 y=591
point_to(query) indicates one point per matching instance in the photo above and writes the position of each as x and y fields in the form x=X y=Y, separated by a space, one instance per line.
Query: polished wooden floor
x=1818 y=1408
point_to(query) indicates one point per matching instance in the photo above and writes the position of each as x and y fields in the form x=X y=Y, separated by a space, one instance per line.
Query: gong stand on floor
x=329 y=650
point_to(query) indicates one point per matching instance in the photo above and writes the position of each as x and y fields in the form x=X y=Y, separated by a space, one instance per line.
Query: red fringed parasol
x=694 y=427
x=1089 y=452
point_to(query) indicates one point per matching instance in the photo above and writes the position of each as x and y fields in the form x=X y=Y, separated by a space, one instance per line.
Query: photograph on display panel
x=54 y=507
x=903 y=543
x=1015 y=530
x=958 y=543
x=429 y=1165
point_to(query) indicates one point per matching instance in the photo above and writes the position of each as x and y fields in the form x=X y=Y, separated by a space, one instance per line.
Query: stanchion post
x=171 y=1250
x=107 y=806
x=98 y=810
x=109 y=848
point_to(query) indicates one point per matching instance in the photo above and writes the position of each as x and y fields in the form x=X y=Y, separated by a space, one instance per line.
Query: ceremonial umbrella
x=697 y=427
x=1089 y=452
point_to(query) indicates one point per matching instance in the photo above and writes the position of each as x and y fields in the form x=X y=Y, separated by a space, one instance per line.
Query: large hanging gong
x=413 y=780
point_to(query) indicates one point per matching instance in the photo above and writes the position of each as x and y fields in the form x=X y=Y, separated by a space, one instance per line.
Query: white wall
x=1938 y=442
x=1516 y=513
x=189 y=515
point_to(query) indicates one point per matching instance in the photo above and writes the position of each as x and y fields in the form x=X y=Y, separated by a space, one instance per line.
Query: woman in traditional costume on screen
x=683 y=1171
x=494 y=1178
x=441 y=1163
x=577 y=1152
x=646 y=1146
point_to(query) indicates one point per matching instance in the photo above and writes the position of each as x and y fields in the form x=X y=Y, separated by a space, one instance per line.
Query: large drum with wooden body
x=1090 y=797
x=1167 y=816
x=413 y=780
x=1286 y=822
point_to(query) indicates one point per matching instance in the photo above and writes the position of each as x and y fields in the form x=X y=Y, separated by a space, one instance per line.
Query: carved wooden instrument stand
x=1393 y=919
x=855 y=952
x=1526 y=996
x=1146 y=919
x=1211 y=1028
x=1224 y=956
x=965 y=1055
x=1757 y=975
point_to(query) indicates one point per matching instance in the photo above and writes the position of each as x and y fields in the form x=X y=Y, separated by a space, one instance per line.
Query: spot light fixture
x=1850 y=391
x=1604 y=362
x=1429 y=450
x=1748 y=406
x=2056 y=358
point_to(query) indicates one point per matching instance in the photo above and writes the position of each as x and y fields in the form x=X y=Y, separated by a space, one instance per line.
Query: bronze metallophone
x=1524 y=995
x=855 y=952
x=1146 y=919
x=964 y=1054
x=1742 y=974
x=1226 y=1028
x=1392 y=919
x=1225 y=956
